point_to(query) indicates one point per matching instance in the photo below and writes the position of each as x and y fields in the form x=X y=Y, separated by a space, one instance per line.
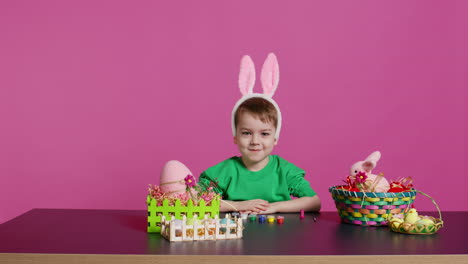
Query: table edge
x=225 y=259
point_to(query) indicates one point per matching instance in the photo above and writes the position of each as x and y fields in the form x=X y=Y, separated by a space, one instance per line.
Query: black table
x=104 y=235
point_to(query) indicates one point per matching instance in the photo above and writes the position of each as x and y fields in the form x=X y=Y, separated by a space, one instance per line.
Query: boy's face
x=255 y=140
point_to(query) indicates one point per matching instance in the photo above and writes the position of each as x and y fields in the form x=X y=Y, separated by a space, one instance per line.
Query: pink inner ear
x=368 y=166
x=270 y=75
x=246 y=75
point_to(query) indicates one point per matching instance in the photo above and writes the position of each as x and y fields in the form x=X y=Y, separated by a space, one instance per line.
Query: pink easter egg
x=172 y=177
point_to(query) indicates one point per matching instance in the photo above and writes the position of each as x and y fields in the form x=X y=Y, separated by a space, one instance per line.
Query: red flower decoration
x=361 y=177
x=190 y=181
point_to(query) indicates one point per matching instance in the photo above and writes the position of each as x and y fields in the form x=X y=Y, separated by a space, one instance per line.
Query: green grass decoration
x=178 y=211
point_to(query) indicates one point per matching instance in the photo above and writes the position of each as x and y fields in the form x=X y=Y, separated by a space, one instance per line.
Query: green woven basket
x=370 y=208
x=178 y=211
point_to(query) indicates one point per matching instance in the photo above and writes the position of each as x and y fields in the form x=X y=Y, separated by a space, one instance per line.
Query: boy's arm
x=255 y=206
x=308 y=204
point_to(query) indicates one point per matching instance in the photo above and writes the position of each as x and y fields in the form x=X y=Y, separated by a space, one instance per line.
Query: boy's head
x=259 y=108
x=255 y=123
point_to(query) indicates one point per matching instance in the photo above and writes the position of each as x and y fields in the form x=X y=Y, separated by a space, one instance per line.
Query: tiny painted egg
x=192 y=221
x=396 y=222
x=177 y=222
x=425 y=221
x=178 y=227
x=401 y=216
x=209 y=222
x=226 y=221
x=223 y=222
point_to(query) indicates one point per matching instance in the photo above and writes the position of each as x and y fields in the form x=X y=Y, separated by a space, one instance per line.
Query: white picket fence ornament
x=176 y=230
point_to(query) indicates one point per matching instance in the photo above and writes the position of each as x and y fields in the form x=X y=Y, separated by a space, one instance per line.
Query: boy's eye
x=246 y=133
x=265 y=134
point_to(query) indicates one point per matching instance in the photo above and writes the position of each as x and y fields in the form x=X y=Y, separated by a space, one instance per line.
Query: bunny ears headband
x=269 y=79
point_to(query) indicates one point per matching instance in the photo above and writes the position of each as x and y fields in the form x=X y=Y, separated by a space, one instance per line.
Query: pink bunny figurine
x=374 y=183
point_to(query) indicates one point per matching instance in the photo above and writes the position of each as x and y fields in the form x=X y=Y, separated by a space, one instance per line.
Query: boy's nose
x=254 y=140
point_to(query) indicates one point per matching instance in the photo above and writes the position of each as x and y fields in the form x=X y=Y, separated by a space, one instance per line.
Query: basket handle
x=433 y=201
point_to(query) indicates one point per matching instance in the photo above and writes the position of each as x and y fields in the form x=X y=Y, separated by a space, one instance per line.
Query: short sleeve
x=206 y=181
x=298 y=186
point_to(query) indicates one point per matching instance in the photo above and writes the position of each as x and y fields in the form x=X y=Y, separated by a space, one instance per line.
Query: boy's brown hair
x=260 y=108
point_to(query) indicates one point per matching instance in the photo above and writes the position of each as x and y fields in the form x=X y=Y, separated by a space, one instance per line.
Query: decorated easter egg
x=172 y=178
x=208 y=221
x=401 y=216
x=396 y=222
x=223 y=222
x=226 y=221
x=425 y=221
x=177 y=222
x=192 y=221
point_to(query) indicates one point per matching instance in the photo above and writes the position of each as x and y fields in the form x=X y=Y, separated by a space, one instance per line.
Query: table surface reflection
x=74 y=231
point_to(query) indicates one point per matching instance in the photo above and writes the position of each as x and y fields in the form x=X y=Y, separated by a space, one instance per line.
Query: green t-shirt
x=276 y=182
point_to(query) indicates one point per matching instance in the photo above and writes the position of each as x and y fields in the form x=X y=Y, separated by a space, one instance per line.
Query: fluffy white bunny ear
x=246 y=75
x=374 y=156
x=270 y=75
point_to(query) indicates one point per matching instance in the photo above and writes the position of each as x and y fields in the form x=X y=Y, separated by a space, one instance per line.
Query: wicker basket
x=370 y=208
x=419 y=228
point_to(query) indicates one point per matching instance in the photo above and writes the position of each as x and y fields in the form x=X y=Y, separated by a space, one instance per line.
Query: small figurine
x=412 y=216
x=373 y=183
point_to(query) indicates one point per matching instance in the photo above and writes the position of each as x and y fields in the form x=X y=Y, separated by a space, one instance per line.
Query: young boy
x=258 y=182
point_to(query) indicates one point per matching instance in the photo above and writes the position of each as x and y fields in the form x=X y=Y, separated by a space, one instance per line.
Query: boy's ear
x=276 y=141
x=234 y=140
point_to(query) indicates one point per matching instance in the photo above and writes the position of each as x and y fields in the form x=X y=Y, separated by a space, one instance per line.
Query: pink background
x=95 y=96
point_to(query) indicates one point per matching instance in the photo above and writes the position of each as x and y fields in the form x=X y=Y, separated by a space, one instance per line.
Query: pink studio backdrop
x=95 y=96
